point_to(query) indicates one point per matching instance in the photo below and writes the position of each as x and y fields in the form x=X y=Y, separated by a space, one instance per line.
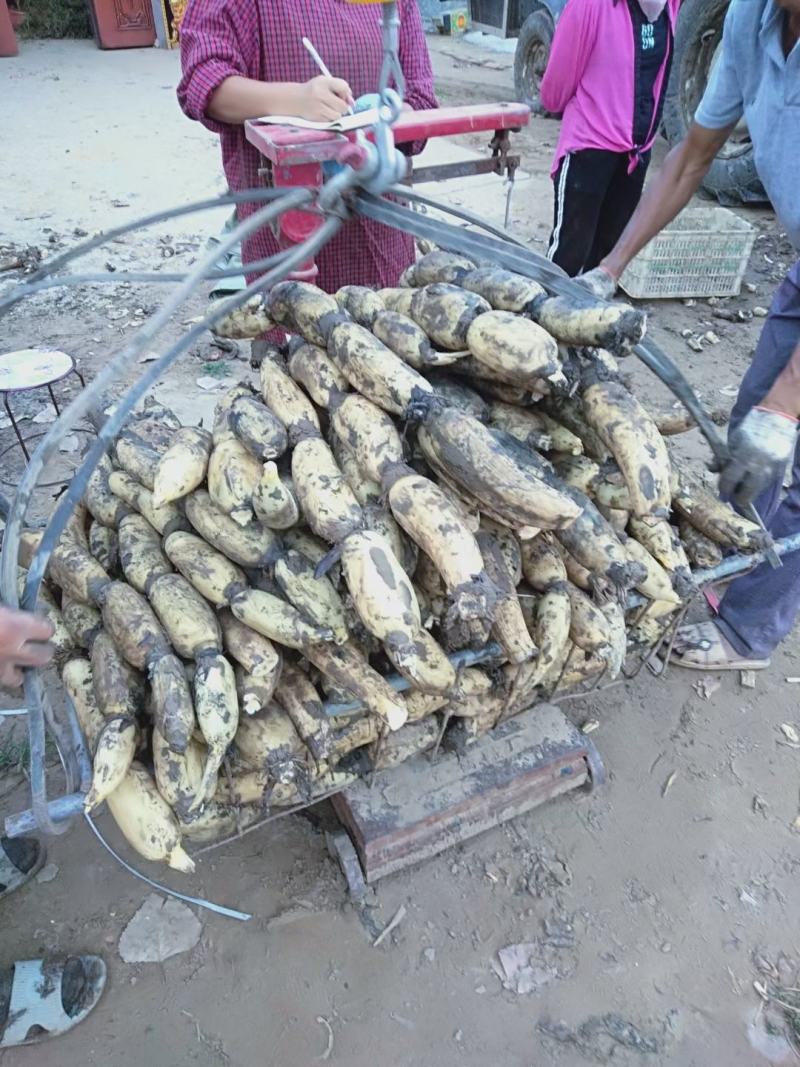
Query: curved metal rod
x=502 y=252
x=245 y=196
x=200 y=902
x=128 y=277
x=137 y=391
x=533 y=264
x=32 y=679
x=83 y=401
x=72 y=752
x=8 y=559
x=34 y=698
x=467 y=216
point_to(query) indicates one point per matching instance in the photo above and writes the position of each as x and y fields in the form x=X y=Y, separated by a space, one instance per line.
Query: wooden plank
x=419 y=808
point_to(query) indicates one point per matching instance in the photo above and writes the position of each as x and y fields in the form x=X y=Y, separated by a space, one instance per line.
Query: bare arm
x=676 y=183
x=319 y=100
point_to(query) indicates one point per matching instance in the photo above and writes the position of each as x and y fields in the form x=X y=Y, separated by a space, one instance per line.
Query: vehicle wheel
x=732 y=177
x=530 y=58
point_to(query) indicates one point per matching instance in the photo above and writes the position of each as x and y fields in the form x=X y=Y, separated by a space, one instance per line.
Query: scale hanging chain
x=391 y=71
x=387 y=165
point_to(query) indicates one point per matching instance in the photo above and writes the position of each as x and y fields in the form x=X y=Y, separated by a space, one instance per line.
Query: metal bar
x=20 y=438
x=534 y=265
x=502 y=252
x=467 y=658
x=467 y=168
x=61 y=810
x=744 y=561
x=466 y=216
x=512 y=256
x=219 y=909
x=33 y=688
x=450 y=121
x=126 y=277
x=276 y=142
x=64 y=740
x=83 y=757
x=82 y=404
x=36 y=740
x=228 y=199
x=509 y=192
x=53 y=400
x=731 y=565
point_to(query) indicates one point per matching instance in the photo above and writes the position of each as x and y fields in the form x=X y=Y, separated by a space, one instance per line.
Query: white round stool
x=28 y=369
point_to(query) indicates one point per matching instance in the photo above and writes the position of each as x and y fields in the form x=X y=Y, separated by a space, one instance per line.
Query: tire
x=530 y=58
x=732 y=178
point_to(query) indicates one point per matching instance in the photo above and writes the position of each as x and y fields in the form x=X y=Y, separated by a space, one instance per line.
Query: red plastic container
x=8 y=40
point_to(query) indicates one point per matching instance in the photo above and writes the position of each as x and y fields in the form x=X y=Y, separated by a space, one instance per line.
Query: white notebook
x=340 y=125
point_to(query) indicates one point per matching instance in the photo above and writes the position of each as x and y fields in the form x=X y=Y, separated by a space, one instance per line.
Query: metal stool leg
x=20 y=438
x=53 y=399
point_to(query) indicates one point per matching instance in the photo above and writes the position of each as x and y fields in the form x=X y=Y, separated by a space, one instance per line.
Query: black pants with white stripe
x=595 y=197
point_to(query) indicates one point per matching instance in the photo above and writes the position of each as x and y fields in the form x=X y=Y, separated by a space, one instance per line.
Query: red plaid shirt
x=263 y=39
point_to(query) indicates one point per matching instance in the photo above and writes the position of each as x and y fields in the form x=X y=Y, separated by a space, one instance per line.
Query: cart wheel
x=341 y=849
x=530 y=59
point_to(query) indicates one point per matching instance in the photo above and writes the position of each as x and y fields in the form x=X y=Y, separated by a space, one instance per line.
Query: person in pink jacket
x=607 y=75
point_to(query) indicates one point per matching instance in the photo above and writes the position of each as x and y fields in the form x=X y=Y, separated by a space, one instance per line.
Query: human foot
x=20 y=859
x=700 y=646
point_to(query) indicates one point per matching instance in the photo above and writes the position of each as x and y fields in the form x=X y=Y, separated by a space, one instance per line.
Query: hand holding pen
x=328 y=97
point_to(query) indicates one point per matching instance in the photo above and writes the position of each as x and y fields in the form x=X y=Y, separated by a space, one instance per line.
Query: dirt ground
x=659 y=904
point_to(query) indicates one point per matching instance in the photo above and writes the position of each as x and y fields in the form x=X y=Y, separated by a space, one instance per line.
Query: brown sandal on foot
x=701 y=647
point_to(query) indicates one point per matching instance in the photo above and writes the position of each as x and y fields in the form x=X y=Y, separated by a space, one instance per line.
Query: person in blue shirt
x=757 y=78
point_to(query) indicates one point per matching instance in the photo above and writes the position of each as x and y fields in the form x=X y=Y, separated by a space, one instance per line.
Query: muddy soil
x=654 y=908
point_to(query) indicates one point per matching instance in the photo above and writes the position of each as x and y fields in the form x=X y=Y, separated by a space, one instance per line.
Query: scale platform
x=419 y=808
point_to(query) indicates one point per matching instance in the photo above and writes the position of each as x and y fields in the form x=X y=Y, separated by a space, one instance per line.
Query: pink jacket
x=590 y=77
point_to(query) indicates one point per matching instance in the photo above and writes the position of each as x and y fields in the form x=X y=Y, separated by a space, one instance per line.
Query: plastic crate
x=704 y=252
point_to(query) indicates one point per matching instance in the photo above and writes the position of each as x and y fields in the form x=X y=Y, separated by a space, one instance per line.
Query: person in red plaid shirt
x=245 y=58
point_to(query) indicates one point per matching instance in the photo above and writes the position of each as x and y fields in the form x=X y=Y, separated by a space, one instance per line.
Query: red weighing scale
x=295 y=157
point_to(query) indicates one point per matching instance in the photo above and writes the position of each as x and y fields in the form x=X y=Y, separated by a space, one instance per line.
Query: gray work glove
x=599 y=283
x=760 y=447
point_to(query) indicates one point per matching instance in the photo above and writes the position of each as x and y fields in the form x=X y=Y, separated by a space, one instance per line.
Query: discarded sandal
x=42 y=998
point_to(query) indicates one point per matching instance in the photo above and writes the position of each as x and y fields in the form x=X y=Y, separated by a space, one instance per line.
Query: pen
x=320 y=63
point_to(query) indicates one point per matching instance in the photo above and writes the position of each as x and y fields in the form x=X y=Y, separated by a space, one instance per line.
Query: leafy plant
x=55 y=18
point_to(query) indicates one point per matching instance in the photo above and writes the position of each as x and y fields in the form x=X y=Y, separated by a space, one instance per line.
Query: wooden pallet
x=422 y=807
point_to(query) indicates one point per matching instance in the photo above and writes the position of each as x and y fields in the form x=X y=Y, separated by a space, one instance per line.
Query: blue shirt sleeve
x=723 y=104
